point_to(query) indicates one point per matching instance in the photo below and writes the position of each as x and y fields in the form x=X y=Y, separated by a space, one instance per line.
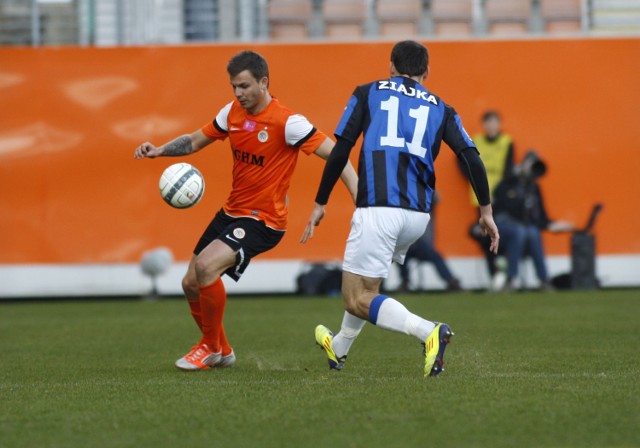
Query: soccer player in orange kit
x=265 y=138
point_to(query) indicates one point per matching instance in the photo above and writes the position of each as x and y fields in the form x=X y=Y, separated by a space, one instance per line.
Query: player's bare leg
x=337 y=347
x=207 y=298
x=359 y=292
x=363 y=300
x=214 y=259
x=192 y=292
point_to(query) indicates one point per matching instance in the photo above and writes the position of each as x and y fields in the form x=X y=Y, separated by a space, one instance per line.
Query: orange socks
x=196 y=311
x=213 y=299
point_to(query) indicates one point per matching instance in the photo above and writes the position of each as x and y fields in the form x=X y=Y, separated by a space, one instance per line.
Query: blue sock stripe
x=374 y=308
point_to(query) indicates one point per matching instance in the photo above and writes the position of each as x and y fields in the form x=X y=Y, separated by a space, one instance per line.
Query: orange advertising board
x=71 y=118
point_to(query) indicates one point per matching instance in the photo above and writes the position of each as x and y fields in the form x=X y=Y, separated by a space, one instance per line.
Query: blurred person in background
x=497 y=153
x=496 y=150
x=521 y=217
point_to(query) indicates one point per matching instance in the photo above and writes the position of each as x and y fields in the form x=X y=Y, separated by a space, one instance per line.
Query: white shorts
x=380 y=235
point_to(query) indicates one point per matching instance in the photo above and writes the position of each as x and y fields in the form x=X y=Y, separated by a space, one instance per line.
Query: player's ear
x=264 y=83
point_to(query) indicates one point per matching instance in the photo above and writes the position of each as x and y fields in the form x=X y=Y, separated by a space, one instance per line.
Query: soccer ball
x=181 y=185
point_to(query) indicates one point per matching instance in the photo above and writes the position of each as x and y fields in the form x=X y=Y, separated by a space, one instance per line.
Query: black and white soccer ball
x=181 y=185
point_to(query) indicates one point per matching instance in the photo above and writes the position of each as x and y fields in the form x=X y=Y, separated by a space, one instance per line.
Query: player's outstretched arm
x=348 y=176
x=474 y=168
x=180 y=146
x=337 y=163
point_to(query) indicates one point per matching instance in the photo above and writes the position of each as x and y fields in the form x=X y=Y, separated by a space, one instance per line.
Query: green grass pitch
x=525 y=369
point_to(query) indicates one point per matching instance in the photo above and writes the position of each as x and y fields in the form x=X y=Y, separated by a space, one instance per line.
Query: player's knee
x=207 y=270
x=202 y=270
x=190 y=286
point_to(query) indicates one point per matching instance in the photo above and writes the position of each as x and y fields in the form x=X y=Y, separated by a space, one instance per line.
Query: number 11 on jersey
x=420 y=114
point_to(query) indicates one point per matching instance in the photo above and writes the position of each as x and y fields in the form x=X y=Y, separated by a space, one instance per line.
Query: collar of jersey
x=273 y=99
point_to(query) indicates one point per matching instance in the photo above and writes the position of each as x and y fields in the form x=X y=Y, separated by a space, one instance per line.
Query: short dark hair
x=490 y=114
x=410 y=58
x=248 y=60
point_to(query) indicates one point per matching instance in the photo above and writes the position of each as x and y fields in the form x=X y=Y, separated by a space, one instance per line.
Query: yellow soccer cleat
x=434 y=348
x=324 y=338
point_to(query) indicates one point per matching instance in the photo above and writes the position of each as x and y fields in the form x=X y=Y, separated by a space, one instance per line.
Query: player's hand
x=316 y=216
x=147 y=150
x=489 y=227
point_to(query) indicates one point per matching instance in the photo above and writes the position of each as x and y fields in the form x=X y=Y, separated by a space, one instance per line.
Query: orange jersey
x=265 y=151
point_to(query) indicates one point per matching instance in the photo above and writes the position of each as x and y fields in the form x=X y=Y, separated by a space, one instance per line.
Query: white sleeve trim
x=297 y=128
x=222 y=117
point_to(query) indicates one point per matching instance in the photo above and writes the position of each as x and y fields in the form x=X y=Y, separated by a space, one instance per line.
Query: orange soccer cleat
x=199 y=358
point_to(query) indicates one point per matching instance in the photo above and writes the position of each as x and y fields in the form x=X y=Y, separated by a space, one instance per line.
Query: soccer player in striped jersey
x=404 y=125
x=266 y=138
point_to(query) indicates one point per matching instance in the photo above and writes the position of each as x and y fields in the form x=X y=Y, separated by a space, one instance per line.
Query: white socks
x=390 y=314
x=386 y=313
x=349 y=331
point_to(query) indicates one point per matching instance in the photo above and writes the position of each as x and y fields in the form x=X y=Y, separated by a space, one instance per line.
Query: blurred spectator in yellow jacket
x=497 y=153
x=496 y=150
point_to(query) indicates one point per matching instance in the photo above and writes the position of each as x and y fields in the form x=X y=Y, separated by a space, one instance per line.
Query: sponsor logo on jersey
x=401 y=88
x=239 y=233
x=249 y=125
x=247 y=157
x=263 y=136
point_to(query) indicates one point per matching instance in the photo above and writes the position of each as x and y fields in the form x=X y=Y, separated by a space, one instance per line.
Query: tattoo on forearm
x=179 y=147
